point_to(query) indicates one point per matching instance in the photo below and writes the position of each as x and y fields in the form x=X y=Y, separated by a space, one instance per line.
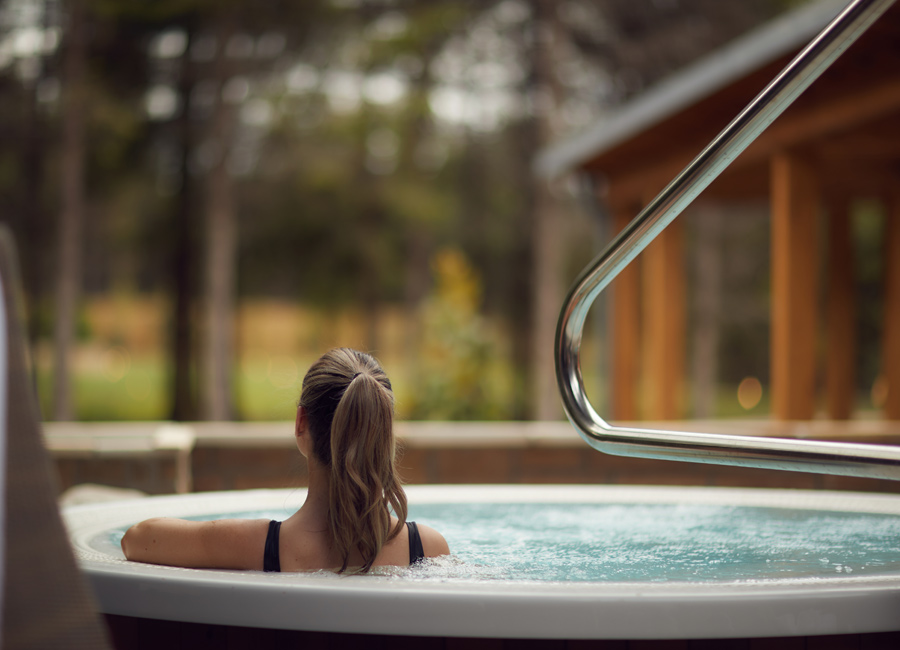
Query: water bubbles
x=651 y=543
x=662 y=543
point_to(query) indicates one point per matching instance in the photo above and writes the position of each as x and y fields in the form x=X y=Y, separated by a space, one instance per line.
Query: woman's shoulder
x=236 y=543
x=433 y=543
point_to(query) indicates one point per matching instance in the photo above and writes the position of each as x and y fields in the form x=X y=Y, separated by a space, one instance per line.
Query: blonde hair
x=350 y=407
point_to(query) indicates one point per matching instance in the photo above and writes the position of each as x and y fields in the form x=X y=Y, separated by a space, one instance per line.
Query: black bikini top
x=272 y=555
x=416 y=552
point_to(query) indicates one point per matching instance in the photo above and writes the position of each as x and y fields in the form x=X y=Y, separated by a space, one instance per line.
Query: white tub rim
x=390 y=605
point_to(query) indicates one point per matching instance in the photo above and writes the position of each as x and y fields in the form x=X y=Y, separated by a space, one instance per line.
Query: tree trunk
x=419 y=242
x=547 y=279
x=368 y=227
x=184 y=402
x=71 y=222
x=221 y=251
x=547 y=302
x=33 y=218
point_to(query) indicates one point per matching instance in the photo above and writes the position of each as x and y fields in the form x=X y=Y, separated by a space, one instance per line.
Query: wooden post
x=794 y=207
x=625 y=331
x=891 y=345
x=840 y=351
x=664 y=330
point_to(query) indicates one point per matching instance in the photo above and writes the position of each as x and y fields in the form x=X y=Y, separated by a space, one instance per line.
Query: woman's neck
x=315 y=508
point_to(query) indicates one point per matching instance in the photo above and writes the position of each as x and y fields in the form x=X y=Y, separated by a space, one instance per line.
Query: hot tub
x=471 y=596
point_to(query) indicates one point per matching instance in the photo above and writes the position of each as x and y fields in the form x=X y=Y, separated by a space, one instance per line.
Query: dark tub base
x=131 y=633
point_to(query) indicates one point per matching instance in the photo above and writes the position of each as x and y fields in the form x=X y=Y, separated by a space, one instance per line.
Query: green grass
x=266 y=387
x=139 y=394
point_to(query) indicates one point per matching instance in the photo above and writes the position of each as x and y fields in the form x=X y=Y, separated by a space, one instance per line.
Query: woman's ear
x=301 y=431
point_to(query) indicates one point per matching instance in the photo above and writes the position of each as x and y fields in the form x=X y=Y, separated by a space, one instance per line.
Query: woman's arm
x=221 y=544
x=433 y=543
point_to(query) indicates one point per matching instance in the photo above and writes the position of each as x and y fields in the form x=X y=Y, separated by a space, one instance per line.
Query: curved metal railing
x=874 y=461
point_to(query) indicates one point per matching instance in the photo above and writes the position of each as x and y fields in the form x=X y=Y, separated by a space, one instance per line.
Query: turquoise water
x=664 y=543
x=651 y=542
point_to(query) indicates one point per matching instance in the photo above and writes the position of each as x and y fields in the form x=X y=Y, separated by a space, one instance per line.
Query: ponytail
x=348 y=399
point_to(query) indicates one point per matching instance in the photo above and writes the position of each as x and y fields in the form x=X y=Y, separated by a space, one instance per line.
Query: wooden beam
x=664 y=330
x=794 y=208
x=797 y=127
x=840 y=351
x=891 y=345
x=626 y=328
x=801 y=125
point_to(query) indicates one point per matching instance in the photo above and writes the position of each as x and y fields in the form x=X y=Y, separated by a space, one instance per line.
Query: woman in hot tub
x=354 y=516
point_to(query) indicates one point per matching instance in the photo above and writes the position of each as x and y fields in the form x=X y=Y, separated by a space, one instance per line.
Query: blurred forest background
x=206 y=194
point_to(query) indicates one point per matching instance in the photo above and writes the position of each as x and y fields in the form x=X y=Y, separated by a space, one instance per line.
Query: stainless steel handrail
x=874 y=461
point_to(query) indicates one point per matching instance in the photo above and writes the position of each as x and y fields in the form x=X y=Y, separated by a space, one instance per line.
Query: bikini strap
x=416 y=552
x=272 y=555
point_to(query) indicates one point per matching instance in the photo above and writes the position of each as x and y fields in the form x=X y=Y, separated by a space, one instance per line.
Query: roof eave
x=695 y=82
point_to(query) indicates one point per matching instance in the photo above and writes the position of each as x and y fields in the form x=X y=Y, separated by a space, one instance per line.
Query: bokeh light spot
x=116 y=363
x=749 y=392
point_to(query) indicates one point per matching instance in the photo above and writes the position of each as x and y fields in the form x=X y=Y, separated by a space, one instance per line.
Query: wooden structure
x=839 y=141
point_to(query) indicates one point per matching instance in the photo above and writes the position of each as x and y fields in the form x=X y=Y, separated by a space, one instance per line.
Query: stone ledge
x=77 y=436
x=227 y=455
